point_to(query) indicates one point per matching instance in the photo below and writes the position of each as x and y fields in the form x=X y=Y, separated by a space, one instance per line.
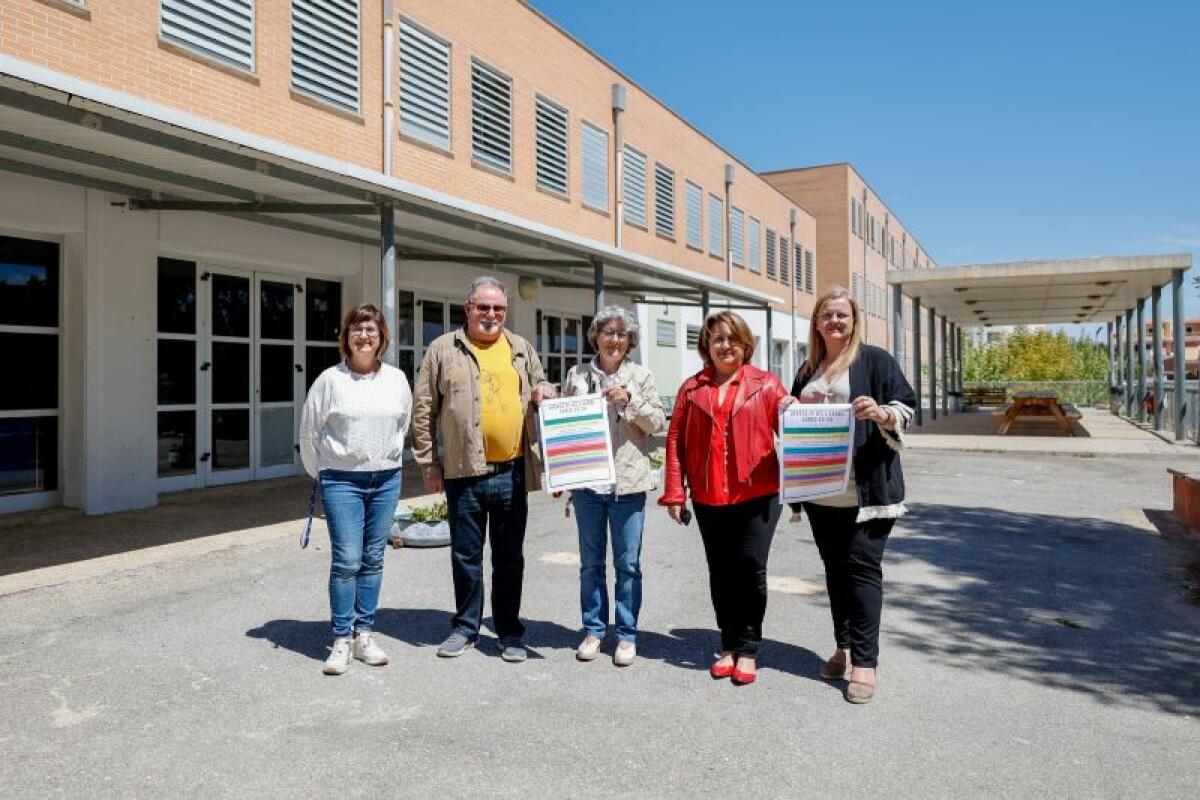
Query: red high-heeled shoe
x=718 y=670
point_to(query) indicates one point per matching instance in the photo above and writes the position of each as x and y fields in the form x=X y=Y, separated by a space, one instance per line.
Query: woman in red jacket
x=721 y=443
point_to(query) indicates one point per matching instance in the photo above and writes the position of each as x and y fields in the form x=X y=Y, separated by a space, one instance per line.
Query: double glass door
x=233 y=358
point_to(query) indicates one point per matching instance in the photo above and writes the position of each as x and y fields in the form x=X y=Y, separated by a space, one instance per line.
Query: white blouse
x=354 y=422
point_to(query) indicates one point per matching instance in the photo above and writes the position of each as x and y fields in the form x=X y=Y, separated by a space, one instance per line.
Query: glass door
x=279 y=376
x=229 y=365
x=29 y=347
x=179 y=376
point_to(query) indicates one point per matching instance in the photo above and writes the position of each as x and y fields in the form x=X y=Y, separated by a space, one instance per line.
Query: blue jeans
x=496 y=501
x=597 y=514
x=359 y=507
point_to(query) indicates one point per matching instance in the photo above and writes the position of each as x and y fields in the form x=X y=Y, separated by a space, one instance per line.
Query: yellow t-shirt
x=501 y=417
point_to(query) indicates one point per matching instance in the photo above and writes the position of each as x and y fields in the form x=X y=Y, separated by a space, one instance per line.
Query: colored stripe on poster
x=573 y=420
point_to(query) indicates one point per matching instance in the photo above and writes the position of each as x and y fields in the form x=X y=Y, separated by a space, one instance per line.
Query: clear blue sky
x=997 y=131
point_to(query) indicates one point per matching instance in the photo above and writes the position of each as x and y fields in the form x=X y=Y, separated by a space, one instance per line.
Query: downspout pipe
x=730 y=176
x=389 y=102
x=387 y=214
x=618 y=114
x=792 y=223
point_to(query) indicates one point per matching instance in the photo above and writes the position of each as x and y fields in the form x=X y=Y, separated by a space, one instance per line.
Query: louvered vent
x=595 y=167
x=635 y=186
x=664 y=200
x=551 y=156
x=424 y=86
x=221 y=29
x=693 y=210
x=491 y=118
x=325 y=50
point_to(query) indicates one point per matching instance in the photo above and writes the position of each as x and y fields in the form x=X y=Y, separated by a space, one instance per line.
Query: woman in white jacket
x=352 y=440
x=635 y=413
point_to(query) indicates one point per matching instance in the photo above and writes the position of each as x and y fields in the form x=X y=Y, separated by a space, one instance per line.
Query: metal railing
x=1191 y=408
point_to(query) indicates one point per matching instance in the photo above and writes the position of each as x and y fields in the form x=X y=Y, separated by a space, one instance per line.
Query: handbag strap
x=312 y=507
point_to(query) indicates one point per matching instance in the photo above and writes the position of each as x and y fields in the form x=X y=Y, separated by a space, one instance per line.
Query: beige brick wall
x=826 y=192
x=116 y=45
x=540 y=59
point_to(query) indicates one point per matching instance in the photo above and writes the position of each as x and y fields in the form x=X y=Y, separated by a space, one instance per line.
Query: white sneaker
x=339 y=656
x=625 y=653
x=367 y=651
x=589 y=649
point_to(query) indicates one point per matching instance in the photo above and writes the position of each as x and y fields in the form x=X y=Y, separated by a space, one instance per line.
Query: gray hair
x=485 y=280
x=609 y=314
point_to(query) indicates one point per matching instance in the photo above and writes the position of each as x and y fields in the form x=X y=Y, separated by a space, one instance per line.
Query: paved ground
x=1041 y=638
x=1097 y=433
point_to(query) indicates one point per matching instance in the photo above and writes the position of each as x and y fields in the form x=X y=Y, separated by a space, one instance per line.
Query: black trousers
x=737 y=540
x=853 y=556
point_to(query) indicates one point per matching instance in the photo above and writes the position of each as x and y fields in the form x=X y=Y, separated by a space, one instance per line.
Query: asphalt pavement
x=1041 y=637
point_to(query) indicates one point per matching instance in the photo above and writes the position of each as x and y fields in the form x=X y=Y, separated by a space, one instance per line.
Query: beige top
x=631 y=426
x=836 y=392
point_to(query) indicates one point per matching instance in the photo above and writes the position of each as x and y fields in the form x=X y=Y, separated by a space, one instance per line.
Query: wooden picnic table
x=1037 y=404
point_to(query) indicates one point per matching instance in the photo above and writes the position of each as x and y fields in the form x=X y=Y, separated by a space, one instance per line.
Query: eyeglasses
x=614 y=335
x=727 y=341
x=362 y=330
x=830 y=316
x=484 y=308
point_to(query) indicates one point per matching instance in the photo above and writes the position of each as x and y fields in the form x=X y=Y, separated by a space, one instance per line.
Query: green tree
x=1034 y=356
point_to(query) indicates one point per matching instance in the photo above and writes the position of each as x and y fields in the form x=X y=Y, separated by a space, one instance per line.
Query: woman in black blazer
x=851 y=529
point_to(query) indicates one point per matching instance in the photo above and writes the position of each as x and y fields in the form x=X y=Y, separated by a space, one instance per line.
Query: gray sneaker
x=455 y=645
x=512 y=651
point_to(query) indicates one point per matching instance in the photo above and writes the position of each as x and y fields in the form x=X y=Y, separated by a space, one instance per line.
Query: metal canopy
x=1040 y=292
x=63 y=129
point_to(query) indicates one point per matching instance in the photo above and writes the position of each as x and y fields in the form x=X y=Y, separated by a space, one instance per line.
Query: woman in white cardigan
x=352 y=440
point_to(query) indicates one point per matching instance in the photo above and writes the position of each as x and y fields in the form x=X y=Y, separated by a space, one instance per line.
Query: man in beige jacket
x=475 y=396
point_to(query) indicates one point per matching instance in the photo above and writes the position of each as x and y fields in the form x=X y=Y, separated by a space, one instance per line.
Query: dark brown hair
x=737 y=326
x=363 y=312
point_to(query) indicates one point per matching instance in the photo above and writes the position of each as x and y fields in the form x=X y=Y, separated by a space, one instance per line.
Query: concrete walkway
x=1040 y=638
x=1098 y=433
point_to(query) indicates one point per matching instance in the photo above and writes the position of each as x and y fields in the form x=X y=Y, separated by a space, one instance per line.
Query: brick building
x=192 y=192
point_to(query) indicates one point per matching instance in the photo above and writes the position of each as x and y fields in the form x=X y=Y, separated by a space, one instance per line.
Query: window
x=595 y=167
x=664 y=200
x=783 y=260
x=424 y=86
x=798 y=267
x=223 y=31
x=809 y=277
x=692 y=209
x=771 y=271
x=634 y=187
x=737 y=236
x=755 y=234
x=29 y=333
x=716 y=225
x=854 y=278
x=491 y=117
x=551 y=146
x=664 y=332
x=325 y=50
x=693 y=336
